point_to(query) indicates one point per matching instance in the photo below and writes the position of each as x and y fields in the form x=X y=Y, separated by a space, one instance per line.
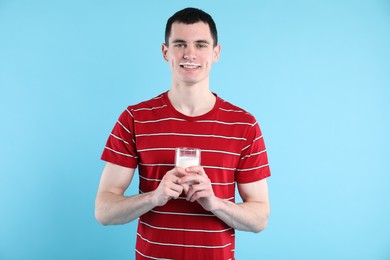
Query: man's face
x=190 y=53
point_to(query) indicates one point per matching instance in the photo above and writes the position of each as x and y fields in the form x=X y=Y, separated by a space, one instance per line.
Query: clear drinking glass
x=186 y=157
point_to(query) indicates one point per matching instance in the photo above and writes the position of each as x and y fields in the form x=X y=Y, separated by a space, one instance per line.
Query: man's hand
x=199 y=187
x=169 y=187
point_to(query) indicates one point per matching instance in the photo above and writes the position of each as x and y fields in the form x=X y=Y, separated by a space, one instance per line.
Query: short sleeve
x=253 y=165
x=120 y=147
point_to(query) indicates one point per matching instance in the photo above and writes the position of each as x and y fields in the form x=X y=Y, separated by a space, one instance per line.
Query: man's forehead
x=199 y=31
x=198 y=27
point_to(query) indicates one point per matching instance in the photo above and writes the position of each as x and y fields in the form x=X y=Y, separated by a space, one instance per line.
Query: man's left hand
x=200 y=188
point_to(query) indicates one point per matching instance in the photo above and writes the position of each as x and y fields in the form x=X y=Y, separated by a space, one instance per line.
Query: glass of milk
x=186 y=157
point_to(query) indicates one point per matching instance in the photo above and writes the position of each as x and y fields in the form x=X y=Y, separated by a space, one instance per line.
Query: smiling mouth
x=188 y=65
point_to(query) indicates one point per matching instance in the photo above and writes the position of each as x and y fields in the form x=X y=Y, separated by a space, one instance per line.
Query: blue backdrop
x=316 y=74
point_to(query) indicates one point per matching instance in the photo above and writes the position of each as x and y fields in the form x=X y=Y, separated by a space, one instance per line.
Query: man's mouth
x=188 y=65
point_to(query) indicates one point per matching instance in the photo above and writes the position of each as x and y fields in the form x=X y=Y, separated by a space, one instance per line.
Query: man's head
x=191 y=47
x=191 y=16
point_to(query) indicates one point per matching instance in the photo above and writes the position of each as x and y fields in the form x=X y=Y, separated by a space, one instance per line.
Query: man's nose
x=190 y=53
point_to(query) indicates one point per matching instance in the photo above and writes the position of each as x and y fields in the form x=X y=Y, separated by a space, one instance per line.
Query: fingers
x=186 y=187
x=169 y=188
x=178 y=171
x=198 y=191
x=192 y=180
x=196 y=169
x=192 y=175
x=200 y=186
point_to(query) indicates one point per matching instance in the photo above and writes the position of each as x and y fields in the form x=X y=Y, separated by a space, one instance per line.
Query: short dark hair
x=190 y=16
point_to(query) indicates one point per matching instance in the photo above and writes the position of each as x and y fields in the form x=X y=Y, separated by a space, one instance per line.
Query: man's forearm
x=246 y=216
x=114 y=209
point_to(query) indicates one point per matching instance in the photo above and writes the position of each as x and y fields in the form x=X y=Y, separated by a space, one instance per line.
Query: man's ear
x=217 y=52
x=164 y=50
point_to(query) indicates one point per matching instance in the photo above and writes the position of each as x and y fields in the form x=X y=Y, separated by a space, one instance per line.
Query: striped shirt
x=233 y=151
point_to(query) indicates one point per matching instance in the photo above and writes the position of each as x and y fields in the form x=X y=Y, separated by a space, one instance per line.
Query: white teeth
x=190 y=65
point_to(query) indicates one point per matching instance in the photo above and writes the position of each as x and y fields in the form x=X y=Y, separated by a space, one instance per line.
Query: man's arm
x=112 y=207
x=250 y=215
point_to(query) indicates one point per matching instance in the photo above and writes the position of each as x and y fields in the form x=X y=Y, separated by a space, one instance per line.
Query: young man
x=186 y=213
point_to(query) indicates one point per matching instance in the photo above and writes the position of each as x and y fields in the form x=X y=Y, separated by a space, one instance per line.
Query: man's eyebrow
x=203 y=41
x=198 y=41
x=178 y=41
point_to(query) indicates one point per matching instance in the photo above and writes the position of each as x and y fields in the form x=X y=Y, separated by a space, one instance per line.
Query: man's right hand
x=168 y=187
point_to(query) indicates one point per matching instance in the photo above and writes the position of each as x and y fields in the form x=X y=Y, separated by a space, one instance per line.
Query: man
x=186 y=213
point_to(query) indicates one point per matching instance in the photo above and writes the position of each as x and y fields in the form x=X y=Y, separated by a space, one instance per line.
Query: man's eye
x=179 y=45
x=202 y=46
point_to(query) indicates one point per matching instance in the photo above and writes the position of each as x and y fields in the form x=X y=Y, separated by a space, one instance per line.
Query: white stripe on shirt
x=127 y=130
x=220 y=151
x=119 y=138
x=180 y=134
x=246 y=147
x=159 y=120
x=224 y=123
x=182 y=245
x=231 y=110
x=128 y=155
x=187 y=230
x=148 y=108
x=151 y=257
x=253 y=154
x=254 y=168
x=157 y=149
x=182 y=213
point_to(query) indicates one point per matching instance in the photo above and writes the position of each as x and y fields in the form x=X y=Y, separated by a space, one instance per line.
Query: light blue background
x=316 y=74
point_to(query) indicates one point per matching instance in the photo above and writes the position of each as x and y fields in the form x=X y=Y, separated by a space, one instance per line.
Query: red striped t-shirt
x=233 y=151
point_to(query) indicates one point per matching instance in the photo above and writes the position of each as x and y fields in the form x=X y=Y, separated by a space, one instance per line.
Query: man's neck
x=192 y=100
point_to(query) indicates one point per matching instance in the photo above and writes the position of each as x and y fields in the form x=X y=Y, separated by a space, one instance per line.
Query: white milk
x=185 y=161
